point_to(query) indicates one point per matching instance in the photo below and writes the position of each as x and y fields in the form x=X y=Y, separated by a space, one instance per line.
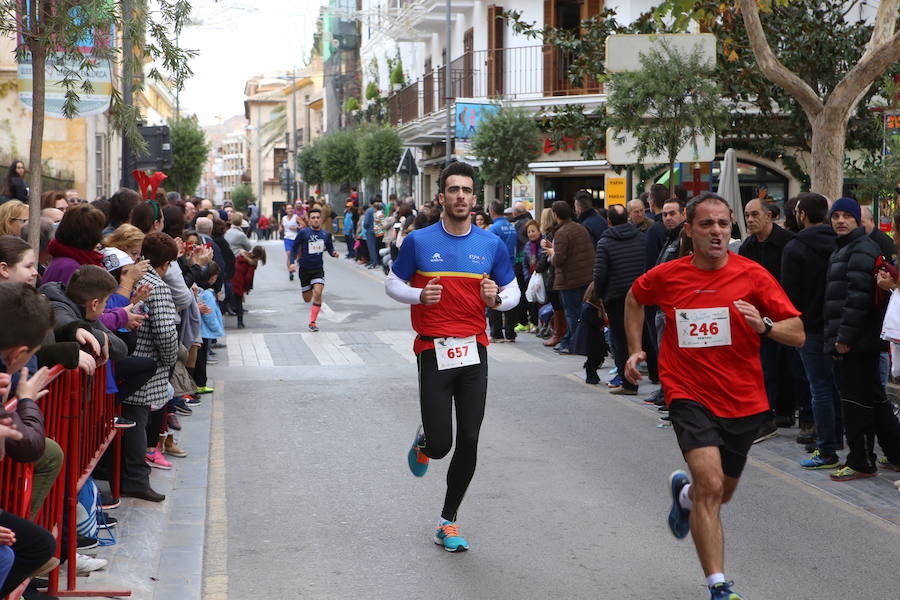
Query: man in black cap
x=853 y=335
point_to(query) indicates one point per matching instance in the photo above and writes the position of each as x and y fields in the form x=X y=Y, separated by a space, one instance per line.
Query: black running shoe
x=313 y=327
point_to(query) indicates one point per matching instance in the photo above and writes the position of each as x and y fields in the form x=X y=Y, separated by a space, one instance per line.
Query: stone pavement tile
x=159 y=553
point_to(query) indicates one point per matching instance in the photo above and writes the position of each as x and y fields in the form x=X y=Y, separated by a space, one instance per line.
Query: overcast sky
x=237 y=39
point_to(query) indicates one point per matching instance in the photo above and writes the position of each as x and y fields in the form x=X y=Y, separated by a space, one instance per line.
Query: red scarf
x=82 y=257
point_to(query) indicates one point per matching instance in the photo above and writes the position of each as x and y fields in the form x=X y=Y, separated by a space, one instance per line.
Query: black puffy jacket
x=620 y=260
x=804 y=267
x=851 y=315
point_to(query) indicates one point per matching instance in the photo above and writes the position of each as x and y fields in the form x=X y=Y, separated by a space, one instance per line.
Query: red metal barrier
x=78 y=415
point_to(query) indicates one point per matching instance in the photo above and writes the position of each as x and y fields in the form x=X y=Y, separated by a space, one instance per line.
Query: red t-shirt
x=698 y=359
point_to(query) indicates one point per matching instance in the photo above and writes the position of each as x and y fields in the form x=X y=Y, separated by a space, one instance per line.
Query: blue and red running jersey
x=461 y=262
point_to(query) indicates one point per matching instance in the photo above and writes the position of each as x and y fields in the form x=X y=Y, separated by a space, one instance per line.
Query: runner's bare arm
x=787 y=331
x=634 y=329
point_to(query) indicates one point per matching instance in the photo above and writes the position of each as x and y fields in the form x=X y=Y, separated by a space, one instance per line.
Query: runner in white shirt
x=290 y=226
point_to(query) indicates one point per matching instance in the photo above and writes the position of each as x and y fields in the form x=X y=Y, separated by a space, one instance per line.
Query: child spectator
x=28 y=319
x=84 y=299
x=242 y=282
x=211 y=325
x=533 y=252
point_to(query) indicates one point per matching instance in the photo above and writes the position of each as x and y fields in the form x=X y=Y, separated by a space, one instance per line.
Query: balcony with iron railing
x=525 y=73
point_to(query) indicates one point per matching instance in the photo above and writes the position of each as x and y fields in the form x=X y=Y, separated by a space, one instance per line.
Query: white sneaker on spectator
x=86 y=564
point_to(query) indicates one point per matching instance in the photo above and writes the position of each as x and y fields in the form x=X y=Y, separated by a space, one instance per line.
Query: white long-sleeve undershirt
x=401 y=291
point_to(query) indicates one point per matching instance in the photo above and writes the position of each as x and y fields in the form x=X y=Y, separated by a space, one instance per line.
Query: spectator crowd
x=133 y=290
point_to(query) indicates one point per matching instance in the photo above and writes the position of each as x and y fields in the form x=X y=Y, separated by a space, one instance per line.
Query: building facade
x=490 y=62
x=84 y=153
x=284 y=112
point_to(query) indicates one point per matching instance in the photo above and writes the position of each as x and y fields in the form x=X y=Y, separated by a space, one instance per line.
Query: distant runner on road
x=289 y=227
x=311 y=243
x=717 y=306
x=450 y=272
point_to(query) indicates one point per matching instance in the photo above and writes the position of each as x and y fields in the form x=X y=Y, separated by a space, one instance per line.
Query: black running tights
x=438 y=390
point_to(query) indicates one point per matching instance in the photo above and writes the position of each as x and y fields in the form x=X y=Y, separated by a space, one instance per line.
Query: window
x=279 y=156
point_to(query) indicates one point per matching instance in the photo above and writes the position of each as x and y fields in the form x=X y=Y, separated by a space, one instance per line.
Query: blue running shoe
x=723 y=591
x=418 y=462
x=679 y=518
x=615 y=382
x=820 y=461
x=447 y=535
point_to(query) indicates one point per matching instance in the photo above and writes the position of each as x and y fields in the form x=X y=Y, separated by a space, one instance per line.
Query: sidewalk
x=159 y=549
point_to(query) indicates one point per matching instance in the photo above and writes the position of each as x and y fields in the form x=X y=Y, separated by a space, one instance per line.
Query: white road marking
x=400 y=342
x=330 y=315
x=330 y=350
x=249 y=350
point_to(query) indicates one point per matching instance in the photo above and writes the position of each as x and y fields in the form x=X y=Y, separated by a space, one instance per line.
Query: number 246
x=704 y=329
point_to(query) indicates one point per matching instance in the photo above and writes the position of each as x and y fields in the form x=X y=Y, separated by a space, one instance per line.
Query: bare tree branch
x=866 y=71
x=772 y=68
x=882 y=31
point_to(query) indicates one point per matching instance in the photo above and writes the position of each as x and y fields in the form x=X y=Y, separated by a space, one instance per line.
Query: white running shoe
x=86 y=564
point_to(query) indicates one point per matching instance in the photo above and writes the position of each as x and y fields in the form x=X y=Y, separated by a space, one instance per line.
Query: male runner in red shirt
x=717 y=307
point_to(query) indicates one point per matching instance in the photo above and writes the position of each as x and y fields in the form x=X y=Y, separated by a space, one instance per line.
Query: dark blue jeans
x=351 y=241
x=571 y=300
x=826 y=400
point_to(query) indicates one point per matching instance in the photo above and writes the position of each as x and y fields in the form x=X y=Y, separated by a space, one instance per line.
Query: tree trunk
x=671 y=174
x=828 y=139
x=38 y=62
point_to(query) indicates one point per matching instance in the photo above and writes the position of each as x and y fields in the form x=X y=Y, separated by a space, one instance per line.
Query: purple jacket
x=61 y=268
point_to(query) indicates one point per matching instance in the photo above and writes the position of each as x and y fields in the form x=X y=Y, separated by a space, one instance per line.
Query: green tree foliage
x=55 y=29
x=241 y=195
x=671 y=101
x=351 y=104
x=309 y=164
x=380 y=151
x=772 y=123
x=190 y=149
x=506 y=141
x=372 y=91
x=338 y=154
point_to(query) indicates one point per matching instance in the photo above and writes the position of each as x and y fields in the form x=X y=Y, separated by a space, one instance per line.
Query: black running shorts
x=697 y=427
x=309 y=277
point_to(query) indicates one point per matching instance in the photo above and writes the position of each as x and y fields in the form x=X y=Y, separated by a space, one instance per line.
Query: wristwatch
x=768 y=323
x=497 y=301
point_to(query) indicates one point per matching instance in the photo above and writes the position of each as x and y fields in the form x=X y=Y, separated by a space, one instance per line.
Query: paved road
x=311 y=496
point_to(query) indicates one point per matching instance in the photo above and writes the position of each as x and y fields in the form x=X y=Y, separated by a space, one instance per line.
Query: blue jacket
x=620 y=260
x=594 y=223
x=348 y=224
x=506 y=231
x=211 y=326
